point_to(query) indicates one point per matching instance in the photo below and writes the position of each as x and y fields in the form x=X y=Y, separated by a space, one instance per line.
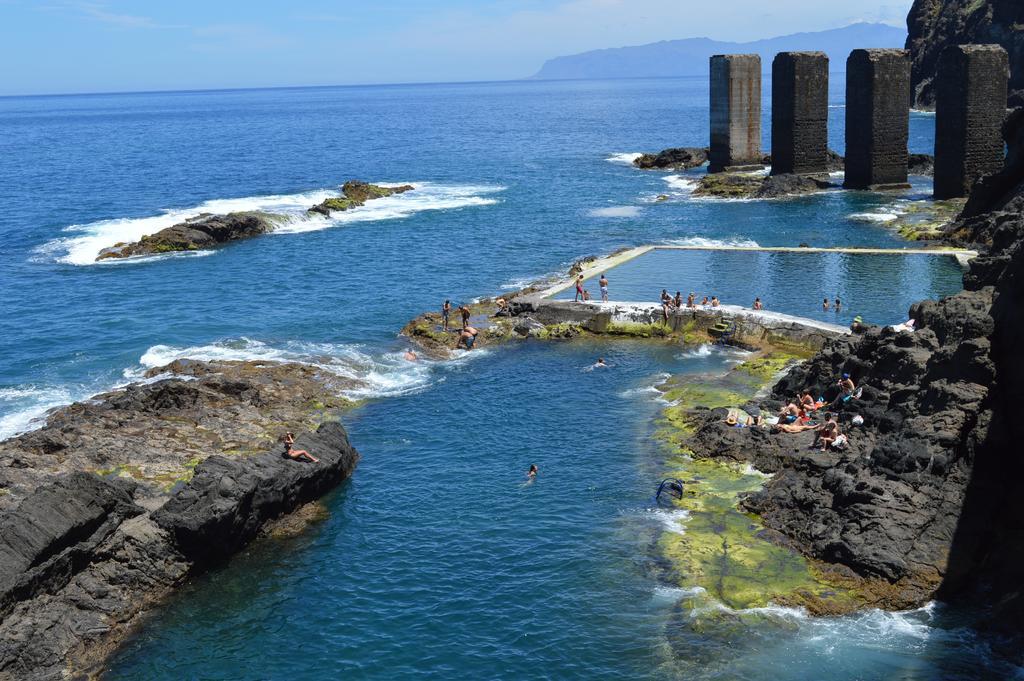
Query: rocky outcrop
x=676 y=158
x=925 y=501
x=934 y=24
x=355 y=194
x=920 y=164
x=757 y=186
x=116 y=501
x=201 y=232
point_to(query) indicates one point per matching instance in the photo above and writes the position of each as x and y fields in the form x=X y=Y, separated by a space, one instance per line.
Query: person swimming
x=532 y=473
x=825 y=305
x=411 y=356
x=599 y=364
x=296 y=454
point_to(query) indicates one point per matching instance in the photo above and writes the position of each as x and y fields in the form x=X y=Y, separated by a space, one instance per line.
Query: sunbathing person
x=828 y=432
x=791 y=411
x=292 y=453
x=794 y=427
x=666 y=304
x=807 y=403
x=502 y=310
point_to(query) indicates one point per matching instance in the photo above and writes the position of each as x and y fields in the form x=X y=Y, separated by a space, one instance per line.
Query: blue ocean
x=436 y=561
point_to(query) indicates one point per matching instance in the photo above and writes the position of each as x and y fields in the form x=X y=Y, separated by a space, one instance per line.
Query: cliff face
x=925 y=501
x=934 y=24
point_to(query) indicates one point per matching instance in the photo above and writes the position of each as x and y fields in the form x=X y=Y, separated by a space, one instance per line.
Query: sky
x=71 y=46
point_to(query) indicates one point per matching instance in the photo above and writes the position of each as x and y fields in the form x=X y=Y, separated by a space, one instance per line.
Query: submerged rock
x=677 y=158
x=201 y=232
x=356 y=193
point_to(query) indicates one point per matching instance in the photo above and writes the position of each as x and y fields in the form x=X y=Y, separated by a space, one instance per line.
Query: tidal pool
x=437 y=560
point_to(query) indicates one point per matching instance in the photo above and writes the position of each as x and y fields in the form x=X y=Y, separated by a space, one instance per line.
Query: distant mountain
x=689 y=57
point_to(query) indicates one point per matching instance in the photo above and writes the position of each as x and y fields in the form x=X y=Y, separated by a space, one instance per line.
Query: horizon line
x=257 y=88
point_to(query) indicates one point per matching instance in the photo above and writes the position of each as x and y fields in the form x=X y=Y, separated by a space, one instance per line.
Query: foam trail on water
x=82 y=243
x=704 y=242
x=880 y=216
x=615 y=212
x=624 y=158
x=373 y=375
x=681 y=182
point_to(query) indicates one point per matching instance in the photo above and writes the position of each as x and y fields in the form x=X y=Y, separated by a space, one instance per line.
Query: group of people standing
x=583 y=295
x=468 y=334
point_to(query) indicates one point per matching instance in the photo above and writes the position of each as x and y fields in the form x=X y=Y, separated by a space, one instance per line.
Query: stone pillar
x=800 y=113
x=970 y=104
x=735 y=112
x=877 y=118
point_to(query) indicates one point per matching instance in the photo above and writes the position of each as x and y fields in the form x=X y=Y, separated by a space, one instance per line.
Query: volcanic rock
x=676 y=158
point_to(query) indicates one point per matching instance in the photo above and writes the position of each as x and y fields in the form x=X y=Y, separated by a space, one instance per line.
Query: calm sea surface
x=435 y=560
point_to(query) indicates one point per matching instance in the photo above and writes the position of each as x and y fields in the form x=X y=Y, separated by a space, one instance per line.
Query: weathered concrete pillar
x=800 y=113
x=877 y=118
x=970 y=104
x=735 y=112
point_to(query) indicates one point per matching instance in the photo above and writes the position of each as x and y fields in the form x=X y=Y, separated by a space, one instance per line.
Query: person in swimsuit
x=599 y=364
x=838 y=305
x=807 y=402
x=586 y=296
x=603 y=283
x=828 y=433
x=411 y=356
x=464 y=311
x=445 y=311
x=824 y=305
x=714 y=301
x=691 y=301
x=502 y=310
x=705 y=302
x=467 y=338
x=793 y=427
x=678 y=300
x=579 y=289
x=757 y=304
x=666 y=304
x=296 y=454
x=532 y=473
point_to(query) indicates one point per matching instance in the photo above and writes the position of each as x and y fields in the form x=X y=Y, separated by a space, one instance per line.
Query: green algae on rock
x=721 y=550
x=354 y=194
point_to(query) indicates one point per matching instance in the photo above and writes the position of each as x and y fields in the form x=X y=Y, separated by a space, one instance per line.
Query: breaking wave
x=625 y=158
x=80 y=244
x=615 y=212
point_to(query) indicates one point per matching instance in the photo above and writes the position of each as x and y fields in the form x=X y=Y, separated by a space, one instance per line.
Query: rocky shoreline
x=116 y=501
x=923 y=501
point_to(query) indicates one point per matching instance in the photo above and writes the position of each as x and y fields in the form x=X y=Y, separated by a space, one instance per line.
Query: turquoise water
x=878 y=288
x=434 y=561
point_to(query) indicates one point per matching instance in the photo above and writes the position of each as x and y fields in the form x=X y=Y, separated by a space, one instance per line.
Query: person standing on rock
x=603 y=283
x=464 y=311
x=579 y=289
x=296 y=454
x=467 y=338
x=446 y=310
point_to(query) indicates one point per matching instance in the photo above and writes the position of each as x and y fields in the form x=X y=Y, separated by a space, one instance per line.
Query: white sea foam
x=704 y=350
x=704 y=242
x=643 y=391
x=624 y=158
x=376 y=375
x=671 y=520
x=82 y=243
x=26 y=405
x=673 y=594
x=683 y=183
x=880 y=216
x=615 y=212
x=922 y=112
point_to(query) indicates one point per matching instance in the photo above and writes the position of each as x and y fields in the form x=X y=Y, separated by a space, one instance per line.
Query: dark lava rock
x=921 y=164
x=204 y=231
x=934 y=24
x=356 y=193
x=926 y=499
x=84 y=551
x=757 y=186
x=678 y=158
x=229 y=499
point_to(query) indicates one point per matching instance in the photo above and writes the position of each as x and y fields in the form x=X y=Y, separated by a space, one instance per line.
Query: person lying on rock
x=828 y=432
x=289 y=449
x=467 y=338
x=793 y=427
